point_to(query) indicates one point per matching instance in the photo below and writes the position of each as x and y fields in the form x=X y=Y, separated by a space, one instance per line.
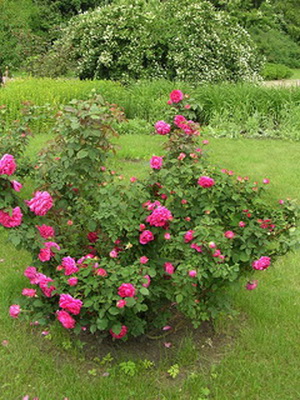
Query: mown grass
x=231 y=110
x=261 y=358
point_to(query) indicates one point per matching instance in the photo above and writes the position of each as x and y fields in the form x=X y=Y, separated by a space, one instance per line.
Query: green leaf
x=116 y=328
x=144 y=291
x=102 y=324
x=179 y=298
x=82 y=154
x=114 y=311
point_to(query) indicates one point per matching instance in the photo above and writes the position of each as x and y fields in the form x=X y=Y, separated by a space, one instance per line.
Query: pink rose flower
x=205 y=141
x=17 y=186
x=146 y=237
x=169 y=268
x=229 y=234
x=167 y=236
x=32 y=274
x=193 y=273
x=44 y=285
x=162 y=128
x=142 y=227
x=176 y=96
x=101 y=272
x=122 y=333
x=44 y=254
x=187 y=106
x=113 y=254
x=281 y=202
x=262 y=263
x=159 y=217
x=46 y=231
x=29 y=292
x=7 y=165
x=144 y=260
x=212 y=245
x=65 y=319
x=67 y=302
x=14 y=310
x=121 y=303
x=181 y=156
x=13 y=220
x=126 y=290
x=242 y=224
x=206 y=181
x=266 y=181
x=251 y=285
x=196 y=247
x=188 y=236
x=72 y=281
x=69 y=265
x=41 y=203
x=217 y=253
x=148 y=281
x=156 y=162
x=133 y=179
x=180 y=121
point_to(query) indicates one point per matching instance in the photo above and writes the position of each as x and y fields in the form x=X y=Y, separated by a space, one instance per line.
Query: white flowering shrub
x=178 y=39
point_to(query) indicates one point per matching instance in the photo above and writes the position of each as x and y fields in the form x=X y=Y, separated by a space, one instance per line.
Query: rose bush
x=123 y=257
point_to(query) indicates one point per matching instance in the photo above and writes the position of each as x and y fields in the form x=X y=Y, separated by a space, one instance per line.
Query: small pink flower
x=242 y=224
x=169 y=102
x=169 y=268
x=70 y=222
x=113 y=254
x=121 y=303
x=29 y=292
x=46 y=231
x=41 y=203
x=7 y=165
x=142 y=227
x=183 y=201
x=45 y=333
x=262 y=263
x=166 y=328
x=181 y=156
x=101 y=272
x=217 y=253
x=176 y=96
x=146 y=237
x=17 y=186
x=122 y=333
x=68 y=303
x=162 y=128
x=156 y=162
x=167 y=236
x=281 y=202
x=212 y=245
x=144 y=260
x=206 y=181
x=148 y=279
x=251 y=285
x=205 y=141
x=229 y=234
x=126 y=290
x=187 y=219
x=133 y=179
x=44 y=254
x=196 y=247
x=180 y=121
x=193 y=273
x=14 y=310
x=72 y=281
x=199 y=150
x=65 y=319
x=187 y=106
x=266 y=181
x=5 y=343
x=188 y=236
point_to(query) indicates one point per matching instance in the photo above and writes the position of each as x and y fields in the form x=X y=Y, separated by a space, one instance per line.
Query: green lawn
x=258 y=359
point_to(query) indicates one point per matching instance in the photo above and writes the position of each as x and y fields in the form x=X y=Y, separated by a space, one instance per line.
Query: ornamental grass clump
x=134 y=254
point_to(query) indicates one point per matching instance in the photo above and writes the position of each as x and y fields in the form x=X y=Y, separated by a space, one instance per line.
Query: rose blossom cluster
x=43 y=281
x=162 y=128
x=189 y=127
x=156 y=162
x=206 y=181
x=46 y=253
x=13 y=220
x=262 y=263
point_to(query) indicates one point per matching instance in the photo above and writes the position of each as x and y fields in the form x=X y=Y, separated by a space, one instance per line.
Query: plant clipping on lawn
x=123 y=257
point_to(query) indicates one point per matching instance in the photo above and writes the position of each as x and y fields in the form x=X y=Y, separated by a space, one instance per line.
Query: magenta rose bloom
x=29 y=292
x=169 y=268
x=262 y=263
x=92 y=237
x=46 y=231
x=7 y=165
x=162 y=128
x=122 y=333
x=159 y=217
x=126 y=290
x=121 y=303
x=156 y=162
x=32 y=274
x=229 y=234
x=144 y=260
x=206 y=181
x=73 y=281
x=176 y=96
x=44 y=285
x=67 y=302
x=13 y=220
x=148 y=281
x=65 y=319
x=17 y=186
x=14 y=310
x=69 y=265
x=180 y=121
x=251 y=285
x=41 y=203
x=146 y=237
x=188 y=236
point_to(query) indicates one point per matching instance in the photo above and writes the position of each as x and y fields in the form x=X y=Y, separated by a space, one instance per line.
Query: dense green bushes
x=276 y=71
x=178 y=39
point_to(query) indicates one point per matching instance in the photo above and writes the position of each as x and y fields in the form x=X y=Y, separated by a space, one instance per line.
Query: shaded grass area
x=261 y=363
